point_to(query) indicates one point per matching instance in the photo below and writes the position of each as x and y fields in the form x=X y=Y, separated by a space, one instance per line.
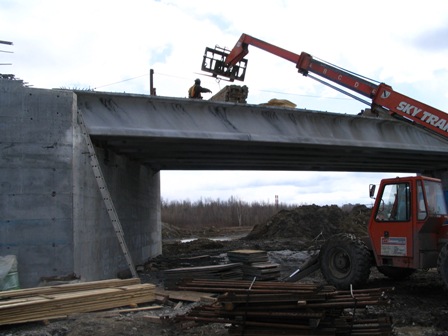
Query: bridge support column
x=135 y=192
x=52 y=215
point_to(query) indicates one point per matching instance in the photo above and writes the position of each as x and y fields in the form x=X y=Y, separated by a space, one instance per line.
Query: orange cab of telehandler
x=408 y=230
x=408 y=226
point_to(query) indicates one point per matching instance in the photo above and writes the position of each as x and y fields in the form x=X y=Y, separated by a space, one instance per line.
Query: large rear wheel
x=442 y=265
x=345 y=260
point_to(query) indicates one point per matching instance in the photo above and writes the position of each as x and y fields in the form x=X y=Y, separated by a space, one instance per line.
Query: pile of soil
x=173 y=232
x=297 y=229
x=307 y=222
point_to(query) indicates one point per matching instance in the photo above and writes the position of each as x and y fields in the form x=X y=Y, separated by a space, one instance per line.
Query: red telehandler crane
x=232 y=65
x=408 y=227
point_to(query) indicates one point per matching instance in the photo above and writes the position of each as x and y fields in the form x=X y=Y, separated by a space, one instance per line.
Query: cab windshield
x=435 y=199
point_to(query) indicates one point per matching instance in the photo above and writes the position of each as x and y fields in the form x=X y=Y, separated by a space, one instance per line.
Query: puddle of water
x=226 y=238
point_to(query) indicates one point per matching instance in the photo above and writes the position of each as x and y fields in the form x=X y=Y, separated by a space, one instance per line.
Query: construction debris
x=247 y=256
x=262 y=271
x=273 y=308
x=45 y=303
x=244 y=264
x=173 y=277
x=255 y=263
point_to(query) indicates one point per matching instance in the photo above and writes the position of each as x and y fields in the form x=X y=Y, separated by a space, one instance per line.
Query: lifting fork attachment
x=214 y=63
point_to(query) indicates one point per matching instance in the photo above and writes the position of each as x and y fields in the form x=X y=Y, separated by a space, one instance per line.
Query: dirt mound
x=173 y=232
x=307 y=222
x=288 y=229
x=195 y=246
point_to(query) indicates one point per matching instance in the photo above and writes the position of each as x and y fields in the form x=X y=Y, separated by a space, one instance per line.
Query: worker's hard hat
x=197 y=81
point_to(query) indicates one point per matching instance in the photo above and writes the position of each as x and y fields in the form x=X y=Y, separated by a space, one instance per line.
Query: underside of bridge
x=169 y=154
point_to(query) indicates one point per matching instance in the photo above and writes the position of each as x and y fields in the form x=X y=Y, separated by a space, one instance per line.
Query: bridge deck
x=184 y=134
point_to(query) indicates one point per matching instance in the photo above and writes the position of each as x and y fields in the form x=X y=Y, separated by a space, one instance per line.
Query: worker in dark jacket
x=196 y=90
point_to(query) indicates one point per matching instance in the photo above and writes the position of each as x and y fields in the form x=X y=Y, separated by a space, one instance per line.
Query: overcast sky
x=111 y=46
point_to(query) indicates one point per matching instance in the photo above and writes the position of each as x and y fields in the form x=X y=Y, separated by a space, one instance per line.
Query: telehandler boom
x=232 y=65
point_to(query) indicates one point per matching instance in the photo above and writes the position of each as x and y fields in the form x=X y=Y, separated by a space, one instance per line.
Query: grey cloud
x=433 y=40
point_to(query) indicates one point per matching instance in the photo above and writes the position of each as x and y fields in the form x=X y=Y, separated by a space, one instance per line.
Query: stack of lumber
x=232 y=93
x=175 y=276
x=262 y=271
x=276 y=308
x=44 y=303
x=248 y=256
x=255 y=264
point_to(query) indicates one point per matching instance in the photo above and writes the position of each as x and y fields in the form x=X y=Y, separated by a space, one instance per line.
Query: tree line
x=221 y=213
x=218 y=213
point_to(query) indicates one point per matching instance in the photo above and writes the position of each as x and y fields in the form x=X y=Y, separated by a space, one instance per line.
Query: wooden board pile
x=255 y=264
x=276 y=308
x=173 y=277
x=44 y=303
x=232 y=93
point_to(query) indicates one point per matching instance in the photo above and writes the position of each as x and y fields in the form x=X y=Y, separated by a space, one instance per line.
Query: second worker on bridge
x=196 y=90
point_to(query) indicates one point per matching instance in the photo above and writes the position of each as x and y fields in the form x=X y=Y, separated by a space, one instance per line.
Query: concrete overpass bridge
x=52 y=215
x=183 y=134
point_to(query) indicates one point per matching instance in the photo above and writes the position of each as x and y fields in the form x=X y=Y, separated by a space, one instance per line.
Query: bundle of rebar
x=276 y=308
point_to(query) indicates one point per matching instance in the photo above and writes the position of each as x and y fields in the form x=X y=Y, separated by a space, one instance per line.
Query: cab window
x=422 y=212
x=435 y=199
x=394 y=203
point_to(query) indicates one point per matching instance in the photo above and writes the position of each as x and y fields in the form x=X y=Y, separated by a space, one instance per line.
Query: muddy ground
x=419 y=304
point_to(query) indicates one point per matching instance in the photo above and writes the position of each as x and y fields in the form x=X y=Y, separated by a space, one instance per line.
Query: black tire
x=345 y=260
x=442 y=265
x=396 y=273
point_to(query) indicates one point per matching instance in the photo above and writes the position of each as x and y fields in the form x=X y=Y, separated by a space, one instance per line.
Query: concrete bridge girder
x=182 y=134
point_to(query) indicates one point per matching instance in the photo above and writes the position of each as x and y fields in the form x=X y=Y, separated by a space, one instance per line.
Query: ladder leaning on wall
x=106 y=195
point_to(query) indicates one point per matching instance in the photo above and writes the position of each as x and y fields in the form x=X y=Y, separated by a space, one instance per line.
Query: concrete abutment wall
x=52 y=216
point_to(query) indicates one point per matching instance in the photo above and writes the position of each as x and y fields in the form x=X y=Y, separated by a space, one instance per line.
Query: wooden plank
x=247 y=251
x=202 y=268
x=67 y=287
x=153 y=319
x=190 y=296
x=130 y=310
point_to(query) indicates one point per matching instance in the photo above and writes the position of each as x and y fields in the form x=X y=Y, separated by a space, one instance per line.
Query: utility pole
x=152 y=90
